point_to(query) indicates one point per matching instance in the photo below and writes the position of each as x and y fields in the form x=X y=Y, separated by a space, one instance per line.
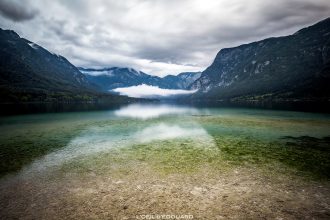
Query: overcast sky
x=159 y=37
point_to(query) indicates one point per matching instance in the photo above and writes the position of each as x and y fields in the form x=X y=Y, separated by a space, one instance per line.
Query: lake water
x=76 y=134
x=166 y=139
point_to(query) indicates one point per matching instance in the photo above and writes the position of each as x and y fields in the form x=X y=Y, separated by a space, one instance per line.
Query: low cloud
x=146 y=91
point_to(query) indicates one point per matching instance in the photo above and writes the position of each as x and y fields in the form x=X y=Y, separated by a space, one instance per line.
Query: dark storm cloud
x=16 y=11
x=160 y=36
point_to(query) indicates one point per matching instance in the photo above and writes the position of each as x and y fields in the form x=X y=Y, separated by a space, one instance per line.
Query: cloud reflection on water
x=147 y=111
x=101 y=138
x=164 y=131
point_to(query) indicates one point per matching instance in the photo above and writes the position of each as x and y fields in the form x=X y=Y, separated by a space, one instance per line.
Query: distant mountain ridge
x=182 y=80
x=288 y=68
x=116 y=77
x=28 y=72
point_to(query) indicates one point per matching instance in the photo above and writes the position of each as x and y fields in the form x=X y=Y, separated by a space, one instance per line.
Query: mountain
x=181 y=81
x=28 y=72
x=116 y=77
x=295 y=67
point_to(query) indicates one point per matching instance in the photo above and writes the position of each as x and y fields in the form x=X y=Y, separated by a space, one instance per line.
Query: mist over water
x=146 y=91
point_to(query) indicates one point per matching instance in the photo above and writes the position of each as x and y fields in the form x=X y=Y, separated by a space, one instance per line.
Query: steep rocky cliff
x=290 y=67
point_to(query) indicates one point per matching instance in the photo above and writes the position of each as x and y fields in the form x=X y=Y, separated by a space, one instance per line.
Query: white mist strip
x=146 y=91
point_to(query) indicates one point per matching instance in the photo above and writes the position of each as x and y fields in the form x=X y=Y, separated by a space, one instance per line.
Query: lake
x=142 y=160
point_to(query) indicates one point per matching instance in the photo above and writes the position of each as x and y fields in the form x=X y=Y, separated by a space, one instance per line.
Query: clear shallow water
x=41 y=142
x=140 y=159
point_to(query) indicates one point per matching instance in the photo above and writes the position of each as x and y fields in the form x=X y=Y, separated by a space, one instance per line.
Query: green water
x=169 y=138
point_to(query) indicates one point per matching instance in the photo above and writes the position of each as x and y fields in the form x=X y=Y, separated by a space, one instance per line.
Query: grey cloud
x=268 y=20
x=164 y=35
x=16 y=11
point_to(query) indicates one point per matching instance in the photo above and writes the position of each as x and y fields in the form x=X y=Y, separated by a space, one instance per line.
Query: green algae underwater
x=146 y=141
